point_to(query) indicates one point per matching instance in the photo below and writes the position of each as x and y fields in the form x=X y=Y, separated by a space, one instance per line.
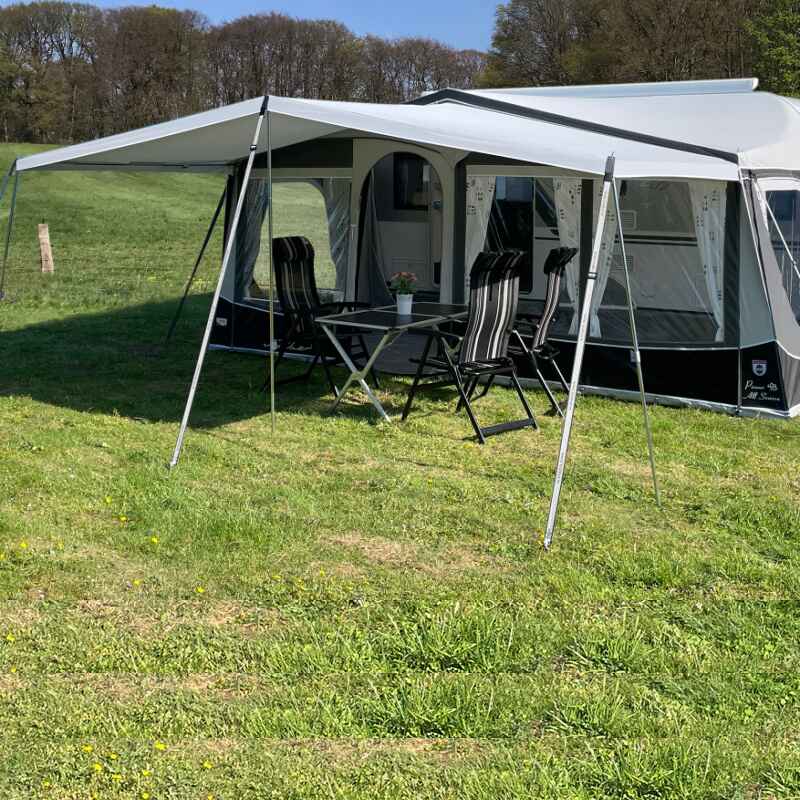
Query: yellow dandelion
x=146 y=773
x=97 y=766
x=137 y=582
x=159 y=746
x=122 y=518
x=2 y=556
x=108 y=499
x=12 y=670
x=154 y=540
x=113 y=756
x=116 y=777
x=46 y=784
x=10 y=638
x=145 y=795
x=23 y=545
x=87 y=748
x=199 y=590
x=207 y=765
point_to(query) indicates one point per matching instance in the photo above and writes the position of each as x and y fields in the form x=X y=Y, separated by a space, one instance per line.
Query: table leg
x=360 y=374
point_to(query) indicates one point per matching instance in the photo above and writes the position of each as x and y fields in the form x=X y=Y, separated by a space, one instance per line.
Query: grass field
x=348 y=608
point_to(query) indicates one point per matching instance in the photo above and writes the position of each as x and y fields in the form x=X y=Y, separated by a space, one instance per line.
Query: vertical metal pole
x=196 y=265
x=271 y=278
x=636 y=353
x=215 y=300
x=580 y=345
x=9 y=228
x=9 y=172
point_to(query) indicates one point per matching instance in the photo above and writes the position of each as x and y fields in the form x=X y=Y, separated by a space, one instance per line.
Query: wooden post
x=44 y=248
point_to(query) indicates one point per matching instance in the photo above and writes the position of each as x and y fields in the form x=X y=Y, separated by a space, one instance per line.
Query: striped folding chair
x=541 y=350
x=296 y=289
x=482 y=353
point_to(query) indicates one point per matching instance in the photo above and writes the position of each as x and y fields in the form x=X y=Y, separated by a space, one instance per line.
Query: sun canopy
x=217 y=139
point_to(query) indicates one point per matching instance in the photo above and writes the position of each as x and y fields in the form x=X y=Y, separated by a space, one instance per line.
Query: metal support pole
x=271 y=278
x=583 y=330
x=211 y=227
x=215 y=300
x=635 y=337
x=9 y=226
x=6 y=178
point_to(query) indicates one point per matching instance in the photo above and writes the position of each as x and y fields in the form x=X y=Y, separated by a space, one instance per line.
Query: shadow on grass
x=114 y=362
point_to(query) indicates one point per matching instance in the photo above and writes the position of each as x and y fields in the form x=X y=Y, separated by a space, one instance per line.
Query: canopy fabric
x=217 y=139
x=762 y=128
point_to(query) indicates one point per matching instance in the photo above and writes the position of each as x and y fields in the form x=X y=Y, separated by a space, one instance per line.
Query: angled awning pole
x=271 y=278
x=200 y=255
x=215 y=300
x=12 y=170
x=635 y=340
x=580 y=346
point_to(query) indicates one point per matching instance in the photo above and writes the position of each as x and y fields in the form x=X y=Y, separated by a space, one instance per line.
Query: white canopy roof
x=762 y=128
x=214 y=140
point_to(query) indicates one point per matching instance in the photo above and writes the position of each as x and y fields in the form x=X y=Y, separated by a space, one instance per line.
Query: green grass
x=348 y=608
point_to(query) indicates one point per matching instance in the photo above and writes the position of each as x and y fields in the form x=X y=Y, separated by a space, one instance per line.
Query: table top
x=386 y=318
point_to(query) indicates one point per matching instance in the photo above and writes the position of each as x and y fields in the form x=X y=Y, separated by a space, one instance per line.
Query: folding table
x=384 y=320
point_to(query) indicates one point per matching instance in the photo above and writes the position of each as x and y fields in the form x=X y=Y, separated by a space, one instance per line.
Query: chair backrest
x=293 y=257
x=493 y=300
x=554 y=266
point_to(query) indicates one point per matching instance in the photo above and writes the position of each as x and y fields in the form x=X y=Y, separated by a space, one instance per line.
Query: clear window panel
x=785 y=239
x=670 y=289
x=317 y=209
x=521 y=213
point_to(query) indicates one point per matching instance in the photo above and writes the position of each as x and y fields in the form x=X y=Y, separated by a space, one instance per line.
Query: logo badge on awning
x=759 y=367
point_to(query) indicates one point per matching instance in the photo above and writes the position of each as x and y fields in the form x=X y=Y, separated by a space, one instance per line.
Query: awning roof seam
x=465 y=98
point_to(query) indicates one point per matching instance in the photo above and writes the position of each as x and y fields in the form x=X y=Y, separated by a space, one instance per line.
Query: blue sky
x=460 y=23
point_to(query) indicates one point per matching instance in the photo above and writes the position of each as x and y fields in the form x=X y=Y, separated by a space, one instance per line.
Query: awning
x=215 y=140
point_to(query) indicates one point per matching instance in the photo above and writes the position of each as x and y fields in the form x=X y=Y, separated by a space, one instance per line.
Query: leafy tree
x=541 y=42
x=776 y=35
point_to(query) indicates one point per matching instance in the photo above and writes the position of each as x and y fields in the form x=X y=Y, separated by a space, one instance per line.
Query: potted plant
x=403 y=284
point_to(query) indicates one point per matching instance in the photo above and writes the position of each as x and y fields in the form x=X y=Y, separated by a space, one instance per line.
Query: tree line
x=556 y=42
x=72 y=71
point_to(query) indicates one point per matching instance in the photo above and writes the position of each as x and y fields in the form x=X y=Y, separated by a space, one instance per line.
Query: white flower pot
x=404 y=302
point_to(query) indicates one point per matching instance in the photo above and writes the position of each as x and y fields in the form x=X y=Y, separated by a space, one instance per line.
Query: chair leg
x=523 y=399
x=464 y=399
x=561 y=377
x=486 y=387
x=465 y=402
x=469 y=390
x=328 y=375
x=417 y=378
x=319 y=354
x=547 y=390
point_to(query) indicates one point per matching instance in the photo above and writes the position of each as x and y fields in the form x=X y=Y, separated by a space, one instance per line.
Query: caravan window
x=318 y=209
x=520 y=215
x=785 y=239
x=676 y=273
x=678 y=300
